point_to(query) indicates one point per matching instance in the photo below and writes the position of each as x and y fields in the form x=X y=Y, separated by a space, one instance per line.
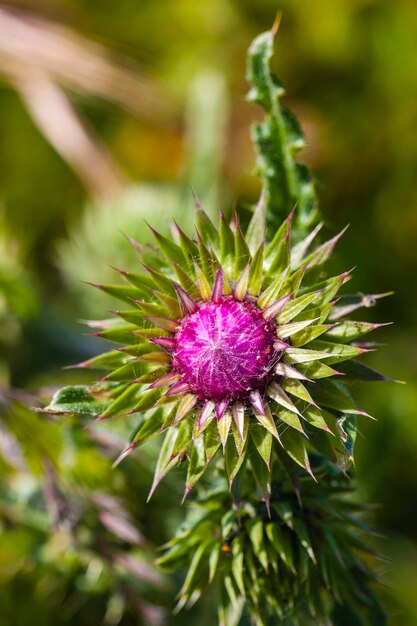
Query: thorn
x=123 y=454
x=276 y=24
x=267 y=499
x=80 y=365
x=344 y=277
x=118 y=270
x=197 y=204
x=186 y=492
x=152 y=229
x=185 y=299
x=137 y=246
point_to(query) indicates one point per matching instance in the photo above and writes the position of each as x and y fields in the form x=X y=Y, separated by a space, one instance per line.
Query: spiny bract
x=232 y=336
x=305 y=561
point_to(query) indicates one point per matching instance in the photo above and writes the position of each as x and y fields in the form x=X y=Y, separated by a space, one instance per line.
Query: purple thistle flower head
x=225 y=350
x=229 y=333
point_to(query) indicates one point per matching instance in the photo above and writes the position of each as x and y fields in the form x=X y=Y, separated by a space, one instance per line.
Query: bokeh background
x=109 y=113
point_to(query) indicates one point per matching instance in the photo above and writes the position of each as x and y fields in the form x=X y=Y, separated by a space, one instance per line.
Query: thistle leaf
x=77 y=400
x=278 y=140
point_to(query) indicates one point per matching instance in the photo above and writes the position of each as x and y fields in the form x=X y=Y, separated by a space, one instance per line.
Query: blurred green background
x=109 y=113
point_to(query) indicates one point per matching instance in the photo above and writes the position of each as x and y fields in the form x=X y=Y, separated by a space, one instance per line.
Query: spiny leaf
x=278 y=140
x=128 y=373
x=105 y=361
x=290 y=419
x=186 y=281
x=76 y=400
x=280 y=259
x=161 y=281
x=121 y=335
x=208 y=260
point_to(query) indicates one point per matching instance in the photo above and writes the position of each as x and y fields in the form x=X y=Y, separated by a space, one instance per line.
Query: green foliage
x=278 y=139
x=68 y=526
x=304 y=560
x=286 y=183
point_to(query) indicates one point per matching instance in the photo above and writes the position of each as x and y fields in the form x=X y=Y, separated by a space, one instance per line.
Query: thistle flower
x=230 y=335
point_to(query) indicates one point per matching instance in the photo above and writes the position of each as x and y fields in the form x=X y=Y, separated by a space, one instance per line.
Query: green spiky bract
x=282 y=546
x=305 y=561
x=305 y=404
